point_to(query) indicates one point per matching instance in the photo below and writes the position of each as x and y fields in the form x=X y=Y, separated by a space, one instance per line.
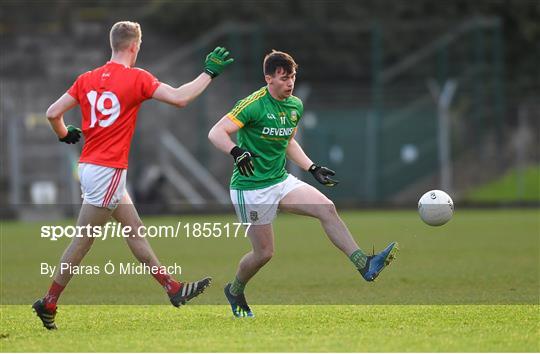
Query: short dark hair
x=276 y=59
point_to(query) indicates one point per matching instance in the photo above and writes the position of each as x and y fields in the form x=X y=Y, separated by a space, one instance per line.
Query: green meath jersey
x=267 y=125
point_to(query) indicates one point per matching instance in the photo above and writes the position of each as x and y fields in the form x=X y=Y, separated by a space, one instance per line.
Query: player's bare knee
x=327 y=210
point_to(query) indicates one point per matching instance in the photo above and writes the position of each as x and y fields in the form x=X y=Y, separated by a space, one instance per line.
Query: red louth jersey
x=110 y=97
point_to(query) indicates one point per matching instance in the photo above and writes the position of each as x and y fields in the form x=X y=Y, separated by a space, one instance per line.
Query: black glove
x=73 y=135
x=321 y=174
x=243 y=160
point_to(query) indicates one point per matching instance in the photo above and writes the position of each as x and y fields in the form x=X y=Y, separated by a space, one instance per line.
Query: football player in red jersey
x=109 y=98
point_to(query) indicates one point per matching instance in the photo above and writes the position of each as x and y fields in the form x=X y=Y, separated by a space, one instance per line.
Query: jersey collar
x=110 y=62
x=273 y=99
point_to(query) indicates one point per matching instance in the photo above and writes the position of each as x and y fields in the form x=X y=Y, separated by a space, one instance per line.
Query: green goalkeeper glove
x=217 y=61
x=73 y=135
x=321 y=174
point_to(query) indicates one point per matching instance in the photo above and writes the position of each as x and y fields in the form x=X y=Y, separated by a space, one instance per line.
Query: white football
x=435 y=208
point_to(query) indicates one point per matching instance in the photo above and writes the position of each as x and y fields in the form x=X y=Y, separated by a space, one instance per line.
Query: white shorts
x=102 y=186
x=259 y=206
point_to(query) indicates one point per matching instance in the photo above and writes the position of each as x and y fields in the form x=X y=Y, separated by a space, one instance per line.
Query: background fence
x=372 y=85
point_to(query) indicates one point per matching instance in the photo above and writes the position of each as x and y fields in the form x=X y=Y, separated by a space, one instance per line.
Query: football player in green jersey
x=266 y=123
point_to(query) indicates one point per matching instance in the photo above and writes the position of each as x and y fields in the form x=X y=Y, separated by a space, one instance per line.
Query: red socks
x=52 y=296
x=170 y=285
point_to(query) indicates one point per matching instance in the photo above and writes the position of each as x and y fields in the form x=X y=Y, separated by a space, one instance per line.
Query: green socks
x=237 y=287
x=358 y=258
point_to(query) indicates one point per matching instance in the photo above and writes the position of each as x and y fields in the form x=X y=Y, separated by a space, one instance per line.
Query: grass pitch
x=514 y=186
x=316 y=328
x=471 y=285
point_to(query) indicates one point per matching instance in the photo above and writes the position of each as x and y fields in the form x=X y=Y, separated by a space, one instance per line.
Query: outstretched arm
x=183 y=95
x=55 y=114
x=214 y=65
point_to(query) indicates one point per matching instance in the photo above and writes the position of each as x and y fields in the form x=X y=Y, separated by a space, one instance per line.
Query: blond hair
x=123 y=34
